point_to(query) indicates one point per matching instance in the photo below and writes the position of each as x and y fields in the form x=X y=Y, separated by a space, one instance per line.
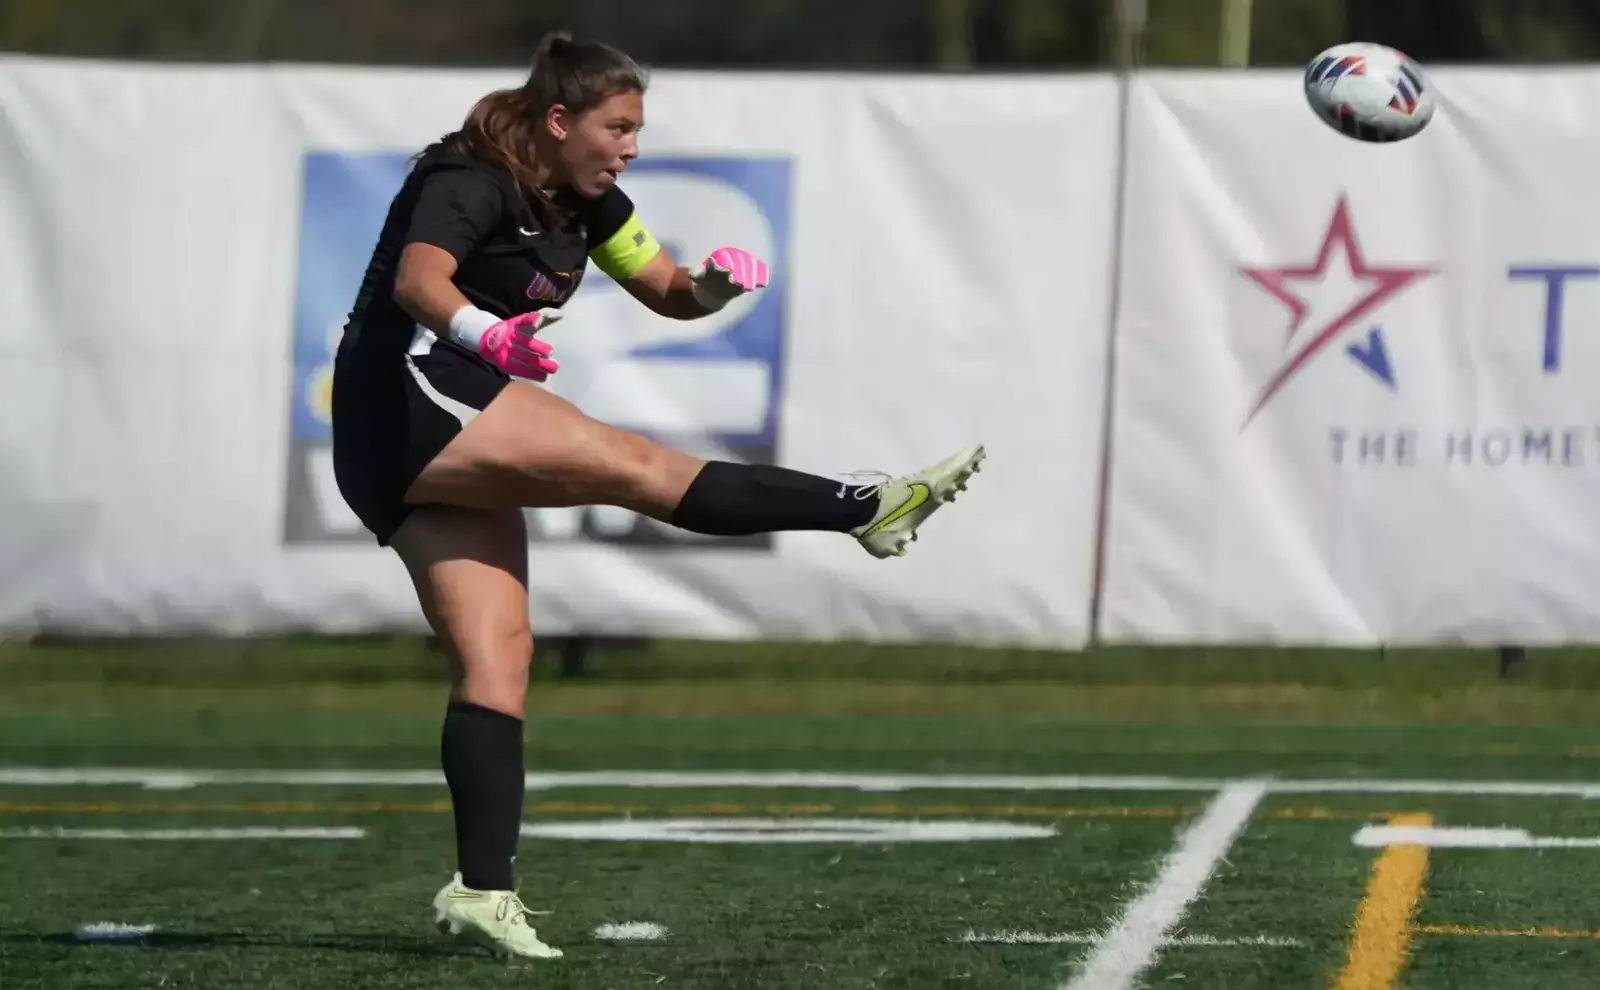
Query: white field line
x=181 y=779
x=1095 y=938
x=631 y=931
x=1136 y=939
x=1374 y=836
x=183 y=834
x=111 y=931
x=1479 y=788
x=768 y=831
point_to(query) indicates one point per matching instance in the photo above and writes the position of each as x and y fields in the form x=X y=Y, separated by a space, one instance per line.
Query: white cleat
x=903 y=503
x=494 y=919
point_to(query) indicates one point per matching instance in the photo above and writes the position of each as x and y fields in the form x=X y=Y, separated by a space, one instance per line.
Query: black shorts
x=394 y=412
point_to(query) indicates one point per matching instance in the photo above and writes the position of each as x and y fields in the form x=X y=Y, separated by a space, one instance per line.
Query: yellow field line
x=1381 y=938
x=1473 y=932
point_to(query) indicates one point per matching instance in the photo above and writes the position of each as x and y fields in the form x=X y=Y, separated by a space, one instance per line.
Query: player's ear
x=558 y=121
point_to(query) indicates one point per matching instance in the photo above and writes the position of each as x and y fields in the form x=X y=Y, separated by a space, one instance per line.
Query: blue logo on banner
x=346 y=198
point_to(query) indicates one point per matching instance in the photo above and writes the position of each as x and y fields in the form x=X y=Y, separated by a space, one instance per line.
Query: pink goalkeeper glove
x=509 y=344
x=727 y=274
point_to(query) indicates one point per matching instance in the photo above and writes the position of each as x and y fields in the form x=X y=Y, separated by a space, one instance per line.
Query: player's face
x=598 y=145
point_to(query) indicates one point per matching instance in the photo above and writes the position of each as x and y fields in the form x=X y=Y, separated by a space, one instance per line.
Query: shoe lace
x=868 y=483
x=512 y=908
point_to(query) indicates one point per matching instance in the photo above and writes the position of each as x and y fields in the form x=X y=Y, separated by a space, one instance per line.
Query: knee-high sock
x=482 y=755
x=727 y=499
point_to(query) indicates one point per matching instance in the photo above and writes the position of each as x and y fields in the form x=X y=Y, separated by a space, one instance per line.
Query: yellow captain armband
x=622 y=254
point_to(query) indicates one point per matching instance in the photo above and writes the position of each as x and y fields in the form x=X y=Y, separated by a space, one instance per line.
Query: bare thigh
x=470 y=569
x=531 y=448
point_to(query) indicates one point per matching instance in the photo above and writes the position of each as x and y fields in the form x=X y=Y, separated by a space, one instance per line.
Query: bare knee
x=470 y=571
x=646 y=476
x=632 y=463
x=493 y=667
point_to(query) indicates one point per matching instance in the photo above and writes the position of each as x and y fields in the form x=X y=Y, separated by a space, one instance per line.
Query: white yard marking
x=1478 y=788
x=162 y=778
x=1136 y=939
x=111 y=931
x=182 y=779
x=631 y=931
x=783 y=830
x=1373 y=836
x=1095 y=938
x=182 y=834
x=169 y=779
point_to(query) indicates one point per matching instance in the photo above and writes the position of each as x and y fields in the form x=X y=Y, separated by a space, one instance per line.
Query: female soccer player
x=441 y=437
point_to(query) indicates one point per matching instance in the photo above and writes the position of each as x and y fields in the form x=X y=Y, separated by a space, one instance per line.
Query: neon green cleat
x=495 y=919
x=903 y=503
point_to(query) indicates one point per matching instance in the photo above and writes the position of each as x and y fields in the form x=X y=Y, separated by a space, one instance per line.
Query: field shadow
x=189 y=941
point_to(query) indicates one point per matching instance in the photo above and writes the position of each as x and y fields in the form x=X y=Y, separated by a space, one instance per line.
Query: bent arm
x=624 y=249
x=454 y=214
x=424 y=286
x=665 y=288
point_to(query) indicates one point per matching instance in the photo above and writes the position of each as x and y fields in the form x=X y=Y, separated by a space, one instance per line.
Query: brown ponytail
x=579 y=75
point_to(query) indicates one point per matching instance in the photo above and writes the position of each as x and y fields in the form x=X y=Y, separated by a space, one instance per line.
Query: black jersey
x=400 y=396
x=509 y=261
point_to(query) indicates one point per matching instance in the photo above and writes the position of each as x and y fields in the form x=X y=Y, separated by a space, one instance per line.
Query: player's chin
x=597 y=185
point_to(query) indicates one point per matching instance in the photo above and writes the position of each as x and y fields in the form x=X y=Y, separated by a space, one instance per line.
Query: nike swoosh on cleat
x=464 y=895
x=920 y=493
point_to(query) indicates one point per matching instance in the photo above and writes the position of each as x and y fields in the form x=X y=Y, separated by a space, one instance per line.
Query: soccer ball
x=1369 y=92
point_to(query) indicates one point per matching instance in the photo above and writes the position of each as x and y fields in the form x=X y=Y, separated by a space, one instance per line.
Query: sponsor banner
x=192 y=239
x=1357 y=393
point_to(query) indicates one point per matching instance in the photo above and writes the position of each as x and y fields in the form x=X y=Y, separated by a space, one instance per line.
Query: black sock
x=727 y=499
x=482 y=752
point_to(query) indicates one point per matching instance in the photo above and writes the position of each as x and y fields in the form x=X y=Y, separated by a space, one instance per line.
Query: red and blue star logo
x=1368 y=286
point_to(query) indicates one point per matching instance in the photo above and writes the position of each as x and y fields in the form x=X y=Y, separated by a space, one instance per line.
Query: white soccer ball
x=1369 y=92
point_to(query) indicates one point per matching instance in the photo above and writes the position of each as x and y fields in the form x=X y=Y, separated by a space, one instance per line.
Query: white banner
x=183 y=244
x=1358 y=393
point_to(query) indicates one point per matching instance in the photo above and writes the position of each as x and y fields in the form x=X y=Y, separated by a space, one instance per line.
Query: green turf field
x=270 y=815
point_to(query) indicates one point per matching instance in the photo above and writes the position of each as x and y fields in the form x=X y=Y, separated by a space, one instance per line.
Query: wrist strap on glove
x=469 y=324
